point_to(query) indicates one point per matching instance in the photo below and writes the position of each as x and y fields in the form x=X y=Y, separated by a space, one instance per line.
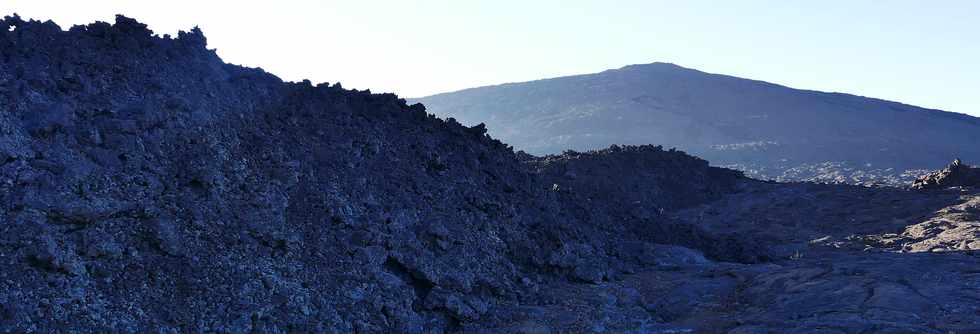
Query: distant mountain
x=767 y=130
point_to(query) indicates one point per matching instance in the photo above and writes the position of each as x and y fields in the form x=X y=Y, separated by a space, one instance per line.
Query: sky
x=925 y=53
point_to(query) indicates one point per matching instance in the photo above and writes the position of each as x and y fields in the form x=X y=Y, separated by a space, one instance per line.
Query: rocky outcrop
x=956 y=174
x=637 y=176
x=955 y=228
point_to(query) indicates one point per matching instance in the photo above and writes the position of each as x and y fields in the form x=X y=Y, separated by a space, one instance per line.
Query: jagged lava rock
x=146 y=186
x=956 y=174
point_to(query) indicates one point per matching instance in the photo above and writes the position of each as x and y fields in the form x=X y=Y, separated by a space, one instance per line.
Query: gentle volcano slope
x=768 y=130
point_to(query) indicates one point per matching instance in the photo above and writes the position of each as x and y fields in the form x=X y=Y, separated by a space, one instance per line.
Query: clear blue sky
x=925 y=53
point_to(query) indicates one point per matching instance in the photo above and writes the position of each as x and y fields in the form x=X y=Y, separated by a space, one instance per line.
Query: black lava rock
x=146 y=186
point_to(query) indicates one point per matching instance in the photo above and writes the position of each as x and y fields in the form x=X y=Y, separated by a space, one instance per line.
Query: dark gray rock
x=956 y=174
x=169 y=191
x=146 y=186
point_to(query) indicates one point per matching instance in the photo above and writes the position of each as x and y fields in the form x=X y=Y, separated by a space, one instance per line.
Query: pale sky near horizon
x=925 y=53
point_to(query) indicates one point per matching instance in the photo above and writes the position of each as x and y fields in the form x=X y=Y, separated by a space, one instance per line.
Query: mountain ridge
x=705 y=114
x=677 y=66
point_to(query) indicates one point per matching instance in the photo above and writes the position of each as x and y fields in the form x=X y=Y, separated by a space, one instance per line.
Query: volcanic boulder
x=956 y=174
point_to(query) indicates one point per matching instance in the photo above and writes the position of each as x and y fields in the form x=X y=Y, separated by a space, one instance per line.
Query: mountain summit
x=767 y=130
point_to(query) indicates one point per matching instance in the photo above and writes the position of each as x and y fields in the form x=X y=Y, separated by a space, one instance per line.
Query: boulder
x=956 y=174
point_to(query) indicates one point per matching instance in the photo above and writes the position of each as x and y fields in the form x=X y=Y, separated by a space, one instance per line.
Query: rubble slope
x=147 y=186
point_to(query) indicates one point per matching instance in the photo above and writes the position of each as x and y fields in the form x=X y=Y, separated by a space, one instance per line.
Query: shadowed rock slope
x=768 y=131
x=146 y=186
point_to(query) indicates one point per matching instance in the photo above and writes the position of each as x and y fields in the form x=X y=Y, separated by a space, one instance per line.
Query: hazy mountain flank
x=767 y=130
